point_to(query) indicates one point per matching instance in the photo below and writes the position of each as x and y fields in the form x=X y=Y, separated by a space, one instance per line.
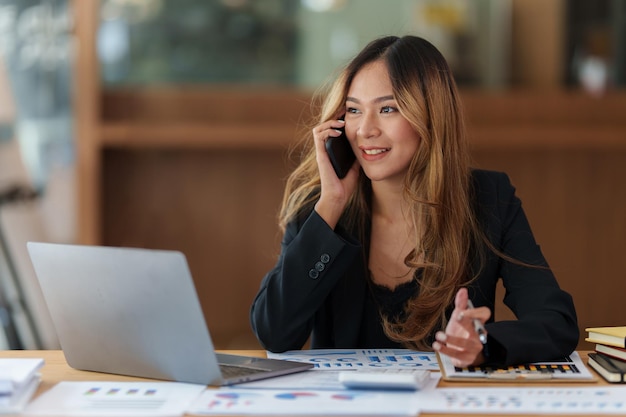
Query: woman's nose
x=368 y=127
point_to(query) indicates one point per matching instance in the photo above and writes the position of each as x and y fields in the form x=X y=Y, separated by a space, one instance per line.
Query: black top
x=319 y=287
x=390 y=303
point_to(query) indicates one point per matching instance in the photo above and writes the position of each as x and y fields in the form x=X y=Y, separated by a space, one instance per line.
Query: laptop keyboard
x=232 y=371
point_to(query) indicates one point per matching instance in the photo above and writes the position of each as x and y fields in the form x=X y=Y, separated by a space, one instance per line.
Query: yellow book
x=612 y=336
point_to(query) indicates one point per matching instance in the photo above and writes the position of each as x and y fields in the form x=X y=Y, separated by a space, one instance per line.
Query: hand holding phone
x=340 y=154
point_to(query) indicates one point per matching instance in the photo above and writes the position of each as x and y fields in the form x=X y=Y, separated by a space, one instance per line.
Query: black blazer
x=318 y=287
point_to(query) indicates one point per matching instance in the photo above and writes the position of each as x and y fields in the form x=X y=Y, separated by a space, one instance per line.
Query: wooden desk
x=56 y=370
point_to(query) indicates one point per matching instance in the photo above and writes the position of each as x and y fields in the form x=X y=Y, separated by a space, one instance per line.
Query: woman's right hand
x=335 y=192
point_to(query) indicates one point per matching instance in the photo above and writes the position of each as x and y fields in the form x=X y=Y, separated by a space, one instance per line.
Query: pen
x=478 y=325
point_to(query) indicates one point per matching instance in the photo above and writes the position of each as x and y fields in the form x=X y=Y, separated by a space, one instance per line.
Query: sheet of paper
x=19 y=379
x=314 y=380
x=227 y=401
x=98 y=398
x=16 y=403
x=17 y=372
x=529 y=399
x=570 y=368
x=340 y=359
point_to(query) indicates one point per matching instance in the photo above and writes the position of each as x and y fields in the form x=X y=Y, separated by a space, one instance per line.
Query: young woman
x=389 y=255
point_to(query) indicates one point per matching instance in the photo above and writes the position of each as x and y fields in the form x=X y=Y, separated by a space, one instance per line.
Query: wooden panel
x=199 y=135
x=544 y=108
x=265 y=107
x=217 y=207
x=86 y=107
x=206 y=104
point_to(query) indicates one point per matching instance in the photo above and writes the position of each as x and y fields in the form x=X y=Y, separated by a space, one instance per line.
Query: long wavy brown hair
x=437 y=184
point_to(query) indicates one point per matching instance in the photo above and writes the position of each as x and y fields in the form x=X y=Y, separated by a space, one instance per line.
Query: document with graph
x=345 y=359
x=568 y=369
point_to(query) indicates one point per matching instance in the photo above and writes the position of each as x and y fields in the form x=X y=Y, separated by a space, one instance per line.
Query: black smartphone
x=340 y=154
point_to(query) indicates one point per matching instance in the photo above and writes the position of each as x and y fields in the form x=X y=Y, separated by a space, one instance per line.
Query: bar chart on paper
x=99 y=398
x=567 y=369
x=528 y=400
x=340 y=359
x=303 y=402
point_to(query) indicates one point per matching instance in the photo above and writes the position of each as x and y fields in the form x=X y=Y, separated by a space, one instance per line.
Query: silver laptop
x=136 y=312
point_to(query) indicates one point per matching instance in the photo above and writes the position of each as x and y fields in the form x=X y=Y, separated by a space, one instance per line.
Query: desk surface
x=56 y=370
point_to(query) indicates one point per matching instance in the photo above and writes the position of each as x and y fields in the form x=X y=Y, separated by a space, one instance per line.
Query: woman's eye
x=351 y=110
x=387 y=109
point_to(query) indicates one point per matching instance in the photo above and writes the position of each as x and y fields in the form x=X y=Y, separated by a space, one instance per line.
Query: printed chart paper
x=16 y=403
x=315 y=380
x=307 y=380
x=19 y=379
x=304 y=402
x=569 y=369
x=18 y=372
x=527 y=400
x=343 y=359
x=98 y=398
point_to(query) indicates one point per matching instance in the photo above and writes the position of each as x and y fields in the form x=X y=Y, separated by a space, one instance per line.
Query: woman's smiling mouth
x=376 y=151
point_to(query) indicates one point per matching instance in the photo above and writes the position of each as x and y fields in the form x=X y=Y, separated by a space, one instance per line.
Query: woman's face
x=382 y=139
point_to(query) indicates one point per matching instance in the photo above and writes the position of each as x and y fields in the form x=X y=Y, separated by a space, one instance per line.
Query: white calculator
x=385 y=379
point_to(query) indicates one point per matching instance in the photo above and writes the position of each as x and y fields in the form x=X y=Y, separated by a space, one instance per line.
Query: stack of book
x=609 y=358
x=19 y=379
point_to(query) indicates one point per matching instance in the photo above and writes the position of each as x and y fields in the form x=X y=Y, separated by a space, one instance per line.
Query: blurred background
x=167 y=124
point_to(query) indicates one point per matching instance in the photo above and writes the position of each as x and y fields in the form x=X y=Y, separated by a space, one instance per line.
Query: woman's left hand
x=460 y=341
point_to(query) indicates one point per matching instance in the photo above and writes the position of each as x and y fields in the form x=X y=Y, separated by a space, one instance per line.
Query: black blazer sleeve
x=546 y=325
x=313 y=259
